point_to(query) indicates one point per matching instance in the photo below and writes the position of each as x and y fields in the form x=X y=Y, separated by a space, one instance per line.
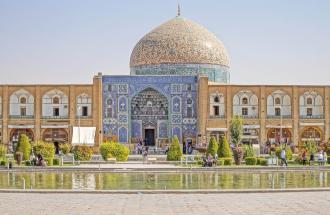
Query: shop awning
x=216 y=129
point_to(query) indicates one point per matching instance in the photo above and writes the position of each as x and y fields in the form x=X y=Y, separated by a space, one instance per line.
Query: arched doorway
x=311 y=133
x=149 y=110
x=15 y=135
x=56 y=136
x=274 y=135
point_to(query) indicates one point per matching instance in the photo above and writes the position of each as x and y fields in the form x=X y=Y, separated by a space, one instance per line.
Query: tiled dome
x=179 y=41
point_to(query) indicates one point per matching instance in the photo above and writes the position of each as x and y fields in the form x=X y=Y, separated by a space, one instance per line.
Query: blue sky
x=68 y=41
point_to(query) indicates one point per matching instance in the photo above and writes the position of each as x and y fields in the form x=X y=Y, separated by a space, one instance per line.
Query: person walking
x=283 y=157
x=304 y=157
x=325 y=157
x=320 y=157
x=145 y=155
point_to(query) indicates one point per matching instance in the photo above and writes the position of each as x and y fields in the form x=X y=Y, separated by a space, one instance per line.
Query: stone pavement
x=317 y=203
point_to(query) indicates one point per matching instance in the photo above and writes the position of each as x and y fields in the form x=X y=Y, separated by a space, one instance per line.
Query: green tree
x=224 y=148
x=174 y=153
x=114 y=150
x=249 y=151
x=212 y=148
x=25 y=146
x=236 y=129
x=46 y=150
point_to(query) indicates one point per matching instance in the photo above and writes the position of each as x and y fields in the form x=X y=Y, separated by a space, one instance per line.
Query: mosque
x=178 y=85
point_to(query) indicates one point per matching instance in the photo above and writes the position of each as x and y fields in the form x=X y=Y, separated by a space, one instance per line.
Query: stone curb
x=229 y=191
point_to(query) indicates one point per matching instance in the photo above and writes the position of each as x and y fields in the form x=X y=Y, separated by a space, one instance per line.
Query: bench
x=111 y=160
x=152 y=160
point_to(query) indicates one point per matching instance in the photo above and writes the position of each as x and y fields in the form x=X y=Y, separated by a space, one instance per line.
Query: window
x=245 y=112
x=23 y=111
x=109 y=112
x=216 y=99
x=189 y=101
x=56 y=111
x=84 y=111
x=309 y=101
x=189 y=112
x=309 y=111
x=188 y=87
x=22 y=100
x=216 y=110
x=244 y=101
x=277 y=111
x=109 y=102
x=278 y=101
x=109 y=88
x=56 y=100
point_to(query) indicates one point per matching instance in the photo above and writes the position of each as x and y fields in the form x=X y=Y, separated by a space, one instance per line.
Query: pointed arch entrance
x=149 y=116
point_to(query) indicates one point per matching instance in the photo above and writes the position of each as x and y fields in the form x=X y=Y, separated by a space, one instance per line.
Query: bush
x=174 y=153
x=248 y=151
x=46 y=150
x=212 y=148
x=288 y=153
x=263 y=162
x=66 y=148
x=114 y=150
x=25 y=146
x=221 y=162
x=82 y=153
x=227 y=161
x=224 y=148
x=3 y=162
x=328 y=159
x=3 y=150
x=56 y=161
x=250 y=161
x=28 y=163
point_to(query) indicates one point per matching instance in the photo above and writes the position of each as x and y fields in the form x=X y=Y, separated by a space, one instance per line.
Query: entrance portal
x=149 y=136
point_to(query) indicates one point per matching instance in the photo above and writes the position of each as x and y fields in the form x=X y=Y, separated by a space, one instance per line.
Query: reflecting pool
x=161 y=181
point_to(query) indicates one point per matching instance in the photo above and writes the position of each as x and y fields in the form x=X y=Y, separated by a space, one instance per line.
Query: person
x=139 y=147
x=283 y=157
x=210 y=160
x=215 y=160
x=145 y=155
x=190 y=149
x=40 y=160
x=311 y=158
x=166 y=149
x=320 y=157
x=325 y=157
x=304 y=157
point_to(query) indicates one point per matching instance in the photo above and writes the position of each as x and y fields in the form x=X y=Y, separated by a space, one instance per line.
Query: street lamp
x=79 y=113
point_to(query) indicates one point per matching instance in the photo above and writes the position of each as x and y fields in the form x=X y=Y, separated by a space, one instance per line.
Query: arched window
x=277 y=101
x=216 y=99
x=189 y=101
x=109 y=112
x=56 y=100
x=244 y=101
x=309 y=101
x=22 y=100
x=109 y=101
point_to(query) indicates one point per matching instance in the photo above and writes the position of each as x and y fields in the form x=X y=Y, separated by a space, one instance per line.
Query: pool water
x=162 y=181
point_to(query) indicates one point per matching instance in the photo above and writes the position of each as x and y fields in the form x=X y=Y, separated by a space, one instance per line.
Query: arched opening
x=55 y=135
x=15 y=135
x=311 y=133
x=149 y=109
x=278 y=135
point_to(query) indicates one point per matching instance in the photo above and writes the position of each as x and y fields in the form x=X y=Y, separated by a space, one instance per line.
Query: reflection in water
x=161 y=181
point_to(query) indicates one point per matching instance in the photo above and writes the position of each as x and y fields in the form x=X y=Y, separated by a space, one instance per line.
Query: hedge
x=212 y=148
x=82 y=153
x=250 y=160
x=174 y=153
x=46 y=150
x=114 y=150
x=227 y=161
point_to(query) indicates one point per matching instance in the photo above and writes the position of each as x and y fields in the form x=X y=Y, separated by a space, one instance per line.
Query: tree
x=174 y=153
x=224 y=148
x=236 y=129
x=25 y=146
x=212 y=148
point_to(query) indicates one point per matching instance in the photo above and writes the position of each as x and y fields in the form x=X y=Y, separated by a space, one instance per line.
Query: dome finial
x=179 y=11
